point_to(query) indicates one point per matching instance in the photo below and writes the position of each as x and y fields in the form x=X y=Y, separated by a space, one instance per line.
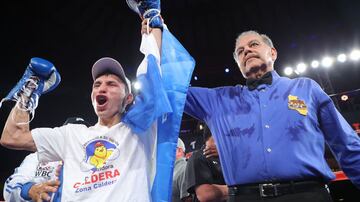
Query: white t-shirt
x=100 y=163
x=30 y=170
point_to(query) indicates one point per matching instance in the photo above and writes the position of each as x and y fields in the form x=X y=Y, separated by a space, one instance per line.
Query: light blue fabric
x=162 y=98
x=177 y=66
x=152 y=101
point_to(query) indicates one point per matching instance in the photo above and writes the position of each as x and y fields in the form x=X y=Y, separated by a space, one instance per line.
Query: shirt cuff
x=25 y=190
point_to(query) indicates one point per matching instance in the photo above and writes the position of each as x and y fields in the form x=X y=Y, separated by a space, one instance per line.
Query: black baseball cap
x=110 y=65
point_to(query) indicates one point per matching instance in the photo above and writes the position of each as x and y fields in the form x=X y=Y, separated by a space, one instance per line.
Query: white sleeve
x=23 y=174
x=49 y=143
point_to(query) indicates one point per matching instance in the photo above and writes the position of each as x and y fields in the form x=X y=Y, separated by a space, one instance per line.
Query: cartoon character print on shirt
x=97 y=165
x=99 y=153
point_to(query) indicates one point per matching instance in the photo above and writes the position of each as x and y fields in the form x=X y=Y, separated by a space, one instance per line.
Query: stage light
x=301 y=67
x=315 y=64
x=341 y=58
x=327 y=62
x=195 y=78
x=288 y=71
x=344 y=97
x=201 y=126
x=137 y=85
x=227 y=70
x=355 y=55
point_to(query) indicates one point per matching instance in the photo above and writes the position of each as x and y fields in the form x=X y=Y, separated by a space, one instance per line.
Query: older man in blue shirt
x=271 y=133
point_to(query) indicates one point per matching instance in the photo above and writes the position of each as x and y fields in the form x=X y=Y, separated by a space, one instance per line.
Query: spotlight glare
x=195 y=78
x=227 y=70
x=301 y=67
x=355 y=55
x=341 y=58
x=327 y=62
x=288 y=71
x=315 y=64
x=344 y=97
x=137 y=85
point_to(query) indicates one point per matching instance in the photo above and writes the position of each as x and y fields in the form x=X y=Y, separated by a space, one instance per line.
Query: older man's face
x=254 y=56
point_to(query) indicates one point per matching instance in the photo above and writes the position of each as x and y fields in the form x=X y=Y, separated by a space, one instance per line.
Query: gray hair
x=180 y=144
x=264 y=38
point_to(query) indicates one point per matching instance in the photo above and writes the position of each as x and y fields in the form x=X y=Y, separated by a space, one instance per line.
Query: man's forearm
x=17 y=136
x=212 y=192
x=156 y=32
x=158 y=37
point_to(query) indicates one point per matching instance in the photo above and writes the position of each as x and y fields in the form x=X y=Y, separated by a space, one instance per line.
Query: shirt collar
x=274 y=77
x=102 y=127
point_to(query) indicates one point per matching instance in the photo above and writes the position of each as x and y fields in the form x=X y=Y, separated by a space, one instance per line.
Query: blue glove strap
x=25 y=190
x=155 y=20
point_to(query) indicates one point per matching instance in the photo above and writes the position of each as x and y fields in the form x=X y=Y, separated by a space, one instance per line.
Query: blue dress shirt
x=276 y=132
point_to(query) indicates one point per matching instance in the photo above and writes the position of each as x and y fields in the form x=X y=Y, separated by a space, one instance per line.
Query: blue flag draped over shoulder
x=162 y=98
x=177 y=66
x=152 y=102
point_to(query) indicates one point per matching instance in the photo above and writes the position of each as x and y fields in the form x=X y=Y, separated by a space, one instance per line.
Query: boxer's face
x=254 y=56
x=108 y=95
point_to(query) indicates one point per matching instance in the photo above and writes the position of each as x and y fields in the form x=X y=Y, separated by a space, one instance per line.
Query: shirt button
x=268 y=150
x=267 y=126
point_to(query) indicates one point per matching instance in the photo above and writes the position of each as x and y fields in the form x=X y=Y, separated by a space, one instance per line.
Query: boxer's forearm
x=156 y=32
x=17 y=136
x=39 y=78
x=158 y=37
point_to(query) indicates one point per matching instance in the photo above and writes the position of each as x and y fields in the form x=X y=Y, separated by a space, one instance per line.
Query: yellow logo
x=298 y=105
x=101 y=154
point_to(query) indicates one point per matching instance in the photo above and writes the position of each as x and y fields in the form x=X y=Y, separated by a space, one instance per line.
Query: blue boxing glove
x=39 y=78
x=147 y=9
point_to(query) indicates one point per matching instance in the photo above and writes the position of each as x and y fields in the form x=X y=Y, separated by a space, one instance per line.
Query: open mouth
x=101 y=99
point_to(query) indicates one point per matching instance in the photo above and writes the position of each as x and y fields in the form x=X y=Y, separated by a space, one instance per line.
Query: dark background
x=73 y=35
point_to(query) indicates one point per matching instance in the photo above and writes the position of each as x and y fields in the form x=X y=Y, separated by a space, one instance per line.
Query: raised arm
x=40 y=77
x=17 y=136
x=146 y=29
x=149 y=12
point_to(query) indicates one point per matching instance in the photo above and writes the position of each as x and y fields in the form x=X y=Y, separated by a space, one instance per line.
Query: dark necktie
x=254 y=83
